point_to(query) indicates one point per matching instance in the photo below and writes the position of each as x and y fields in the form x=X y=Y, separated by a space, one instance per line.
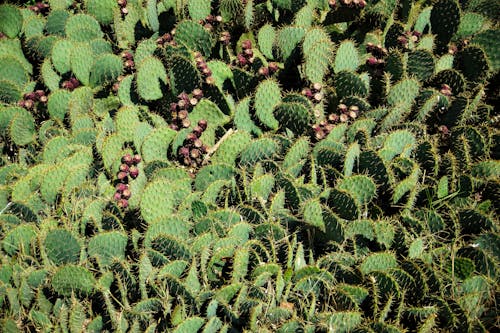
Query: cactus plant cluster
x=249 y=166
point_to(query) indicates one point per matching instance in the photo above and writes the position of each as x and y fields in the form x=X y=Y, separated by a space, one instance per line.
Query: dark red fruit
x=195 y=153
x=197 y=130
x=129 y=63
x=137 y=159
x=173 y=107
x=120 y=187
x=182 y=114
x=372 y=61
x=191 y=137
x=242 y=60
x=127 y=159
x=207 y=71
x=203 y=124
x=264 y=71
x=210 y=80
x=246 y=44
x=31 y=95
x=126 y=194
x=184 y=151
x=124 y=167
x=248 y=53
x=123 y=203
x=273 y=67
x=342 y=108
x=122 y=175
x=198 y=143
x=133 y=172
x=307 y=92
x=28 y=104
x=117 y=196
x=197 y=93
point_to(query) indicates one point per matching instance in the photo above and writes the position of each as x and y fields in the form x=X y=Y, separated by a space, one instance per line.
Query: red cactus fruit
x=122 y=175
x=124 y=167
x=203 y=124
x=133 y=172
x=137 y=159
x=246 y=44
x=127 y=159
x=123 y=203
x=184 y=151
x=117 y=196
x=120 y=187
x=126 y=194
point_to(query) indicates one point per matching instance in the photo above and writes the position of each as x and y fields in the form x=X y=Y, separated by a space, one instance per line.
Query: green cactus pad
x=155 y=145
x=288 y=39
x=194 y=36
x=83 y=28
x=11 y=20
x=488 y=40
x=102 y=10
x=350 y=83
x=267 y=97
x=445 y=20
x=257 y=151
x=192 y=324
x=266 y=37
x=244 y=81
x=381 y=262
x=61 y=55
x=62 y=247
x=403 y=92
x=346 y=57
x=107 y=247
x=157 y=200
x=171 y=247
x=13 y=70
x=344 y=204
x=317 y=49
x=362 y=188
x=19 y=239
x=294 y=116
x=230 y=148
x=82 y=59
x=56 y=22
x=105 y=69
x=22 y=128
x=183 y=75
x=150 y=75
x=211 y=173
x=452 y=78
x=420 y=64
x=398 y=142
x=472 y=63
x=199 y=10
x=70 y=278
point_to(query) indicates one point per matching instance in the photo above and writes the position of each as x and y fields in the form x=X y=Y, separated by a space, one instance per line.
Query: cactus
x=59 y=239
x=238 y=164
x=71 y=278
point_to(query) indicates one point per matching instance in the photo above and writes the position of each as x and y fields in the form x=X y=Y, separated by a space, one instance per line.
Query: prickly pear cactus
x=249 y=166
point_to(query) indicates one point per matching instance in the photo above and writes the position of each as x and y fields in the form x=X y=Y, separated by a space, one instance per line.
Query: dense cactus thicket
x=249 y=166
